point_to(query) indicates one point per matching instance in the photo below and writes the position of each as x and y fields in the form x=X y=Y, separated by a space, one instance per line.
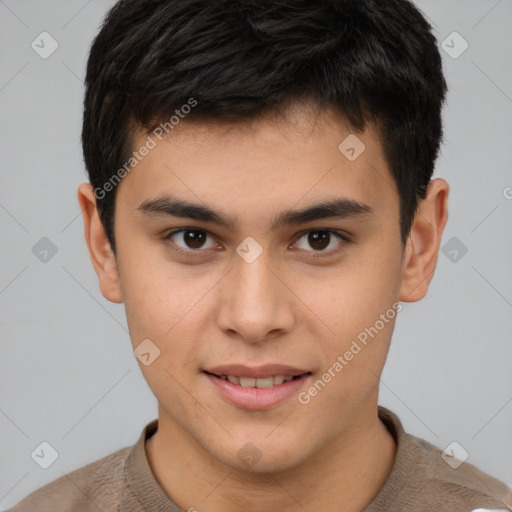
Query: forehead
x=262 y=165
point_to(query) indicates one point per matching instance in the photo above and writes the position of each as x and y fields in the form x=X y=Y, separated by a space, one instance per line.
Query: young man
x=261 y=201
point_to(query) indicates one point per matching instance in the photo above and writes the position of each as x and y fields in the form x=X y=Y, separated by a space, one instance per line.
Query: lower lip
x=256 y=398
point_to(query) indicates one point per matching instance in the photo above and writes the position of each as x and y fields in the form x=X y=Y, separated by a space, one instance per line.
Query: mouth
x=258 y=382
x=257 y=388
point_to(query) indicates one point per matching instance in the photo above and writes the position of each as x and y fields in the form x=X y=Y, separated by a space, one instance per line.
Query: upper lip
x=256 y=372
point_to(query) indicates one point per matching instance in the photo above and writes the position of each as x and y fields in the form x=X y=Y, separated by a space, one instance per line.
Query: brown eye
x=319 y=239
x=194 y=239
x=322 y=240
x=189 y=240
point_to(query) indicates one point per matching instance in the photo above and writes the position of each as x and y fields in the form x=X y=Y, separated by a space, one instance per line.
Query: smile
x=266 y=388
x=260 y=383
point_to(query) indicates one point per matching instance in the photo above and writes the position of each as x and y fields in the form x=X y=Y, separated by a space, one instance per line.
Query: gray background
x=67 y=372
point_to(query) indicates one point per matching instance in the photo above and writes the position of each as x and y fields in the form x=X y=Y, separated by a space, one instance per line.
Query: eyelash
x=316 y=254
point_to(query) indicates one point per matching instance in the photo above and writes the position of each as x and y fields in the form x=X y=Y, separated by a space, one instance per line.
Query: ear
x=100 y=251
x=422 y=248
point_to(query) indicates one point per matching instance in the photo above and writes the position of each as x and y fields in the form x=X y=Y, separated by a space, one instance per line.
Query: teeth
x=250 y=382
x=234 y=380
x=247 y=382
x=266 y=382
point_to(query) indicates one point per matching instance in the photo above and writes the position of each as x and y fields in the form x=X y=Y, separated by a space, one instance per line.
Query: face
x=253 y=281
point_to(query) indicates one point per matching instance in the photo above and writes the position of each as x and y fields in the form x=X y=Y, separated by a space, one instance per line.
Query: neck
x=352 y=468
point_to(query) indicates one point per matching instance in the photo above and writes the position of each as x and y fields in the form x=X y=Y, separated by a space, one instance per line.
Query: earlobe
x=100 y=251
x=422 y=249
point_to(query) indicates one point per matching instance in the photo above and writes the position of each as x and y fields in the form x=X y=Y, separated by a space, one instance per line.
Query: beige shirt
x=420 y=481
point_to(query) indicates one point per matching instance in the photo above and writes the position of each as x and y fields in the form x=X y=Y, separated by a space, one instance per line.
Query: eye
x=193 y=240
x=321 y=240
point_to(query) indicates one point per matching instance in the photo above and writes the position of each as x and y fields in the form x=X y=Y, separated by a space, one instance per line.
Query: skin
x=286 y=307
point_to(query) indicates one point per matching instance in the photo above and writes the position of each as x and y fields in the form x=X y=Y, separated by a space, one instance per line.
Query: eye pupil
x=195 y=239
x=315 y=238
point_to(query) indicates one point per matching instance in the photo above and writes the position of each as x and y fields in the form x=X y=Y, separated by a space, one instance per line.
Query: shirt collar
x=142 y=484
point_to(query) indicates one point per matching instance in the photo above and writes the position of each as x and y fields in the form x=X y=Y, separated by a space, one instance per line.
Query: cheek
x=164 y=311
x=353 y=361
x=356 y=308
x=167 y=308
x=351 y=298
x=156 y=297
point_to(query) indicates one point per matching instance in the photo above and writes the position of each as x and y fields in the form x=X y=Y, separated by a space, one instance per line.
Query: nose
x=255 y=304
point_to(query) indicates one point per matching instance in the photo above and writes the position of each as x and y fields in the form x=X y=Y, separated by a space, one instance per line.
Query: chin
x=277 y=464
x=260 y=457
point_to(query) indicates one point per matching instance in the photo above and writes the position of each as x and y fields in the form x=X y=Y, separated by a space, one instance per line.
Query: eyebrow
x=339 y=208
